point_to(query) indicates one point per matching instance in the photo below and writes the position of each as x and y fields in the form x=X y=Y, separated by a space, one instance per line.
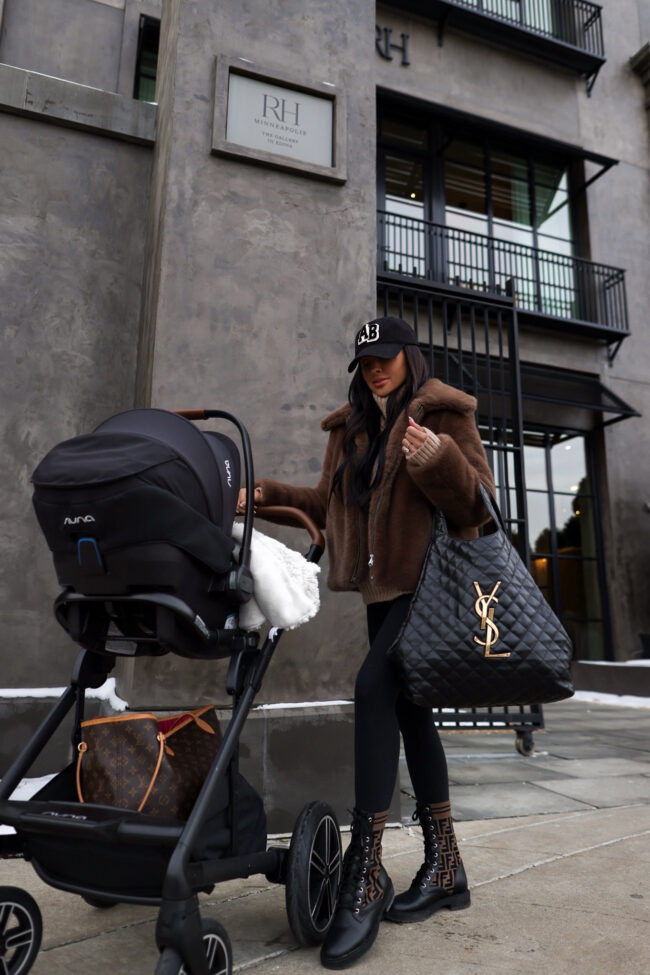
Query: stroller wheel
x=218 y=952
x=21 y=930
x=313 y=873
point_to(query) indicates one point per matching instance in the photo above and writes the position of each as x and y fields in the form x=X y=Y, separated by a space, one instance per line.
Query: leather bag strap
x=82 y=748
x=440 y=522
x=161 y=751
x=493 y=509
x=182 y=721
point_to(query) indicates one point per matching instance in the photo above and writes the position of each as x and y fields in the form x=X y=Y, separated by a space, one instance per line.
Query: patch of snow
x=298 y=704
x=634 y=662
x=620 y=700
x=25 y=789
x=106 y=692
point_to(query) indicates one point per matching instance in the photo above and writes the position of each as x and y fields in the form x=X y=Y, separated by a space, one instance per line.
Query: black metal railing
x=556 y=285
x=575 y=22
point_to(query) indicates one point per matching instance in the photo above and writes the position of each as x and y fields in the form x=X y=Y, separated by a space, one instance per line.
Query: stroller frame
x=179 y=933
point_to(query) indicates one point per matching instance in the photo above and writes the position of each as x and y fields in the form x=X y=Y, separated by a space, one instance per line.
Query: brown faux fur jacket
x=380 y=551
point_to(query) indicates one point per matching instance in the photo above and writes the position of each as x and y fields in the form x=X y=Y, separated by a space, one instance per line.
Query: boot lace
x=429 y=867
x=354 y=874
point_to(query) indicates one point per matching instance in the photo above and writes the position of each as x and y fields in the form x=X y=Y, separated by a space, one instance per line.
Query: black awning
x=494 y=128
x=556 y=399
x=569 y=400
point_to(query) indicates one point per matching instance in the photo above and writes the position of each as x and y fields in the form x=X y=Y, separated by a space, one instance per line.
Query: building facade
x=201 y=203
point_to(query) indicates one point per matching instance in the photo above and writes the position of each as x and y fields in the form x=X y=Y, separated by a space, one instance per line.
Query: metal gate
x=472 y=342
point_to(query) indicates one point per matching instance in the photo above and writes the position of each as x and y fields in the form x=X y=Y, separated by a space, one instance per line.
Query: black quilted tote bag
x=479 y=632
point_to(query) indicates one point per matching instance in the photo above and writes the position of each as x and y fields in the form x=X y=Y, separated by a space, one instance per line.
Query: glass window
x=564 y=550
x=569 y=466
x=500 y=213
x=404 y=182
x=574 y=521
x=509 y=164
x=540 y=569
x=511 y=201
x=511 y=214
x=503 y=467
x=539 y=522
x=466 y=193
x=146 y=67
x=535 y=464
x=464 y=189
x=552 y=209
x=406 y=134
x=404 y=234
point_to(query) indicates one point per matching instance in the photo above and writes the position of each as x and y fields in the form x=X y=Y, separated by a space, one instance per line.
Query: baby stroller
x=138 y=516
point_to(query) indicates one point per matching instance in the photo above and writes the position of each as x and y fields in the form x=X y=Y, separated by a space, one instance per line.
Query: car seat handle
x=245 y=550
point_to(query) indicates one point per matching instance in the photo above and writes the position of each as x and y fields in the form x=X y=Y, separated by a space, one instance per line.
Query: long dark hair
x=354 y=479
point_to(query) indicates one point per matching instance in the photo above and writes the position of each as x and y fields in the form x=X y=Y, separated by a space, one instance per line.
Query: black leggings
x=380 y=712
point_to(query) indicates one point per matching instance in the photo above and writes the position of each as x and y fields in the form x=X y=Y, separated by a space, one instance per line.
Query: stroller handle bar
x=195 y=414
x=284 y=515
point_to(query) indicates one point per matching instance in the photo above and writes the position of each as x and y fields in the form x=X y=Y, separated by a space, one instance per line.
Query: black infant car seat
x=143 y=504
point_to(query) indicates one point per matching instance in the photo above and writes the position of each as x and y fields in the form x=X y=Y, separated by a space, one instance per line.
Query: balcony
x=552 y=290
x=566 y=32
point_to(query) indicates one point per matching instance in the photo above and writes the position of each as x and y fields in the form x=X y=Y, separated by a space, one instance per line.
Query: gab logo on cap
x=369 y=333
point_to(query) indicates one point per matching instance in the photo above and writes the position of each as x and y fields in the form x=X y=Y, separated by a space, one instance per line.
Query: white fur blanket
x=286 y=584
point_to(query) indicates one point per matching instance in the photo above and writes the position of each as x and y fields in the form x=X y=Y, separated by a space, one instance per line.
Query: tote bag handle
x=492 y=509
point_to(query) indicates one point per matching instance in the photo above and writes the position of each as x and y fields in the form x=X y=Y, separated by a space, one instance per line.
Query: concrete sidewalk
x=557 y=849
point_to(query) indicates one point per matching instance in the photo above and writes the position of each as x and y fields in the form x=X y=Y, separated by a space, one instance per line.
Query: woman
x=402 y=445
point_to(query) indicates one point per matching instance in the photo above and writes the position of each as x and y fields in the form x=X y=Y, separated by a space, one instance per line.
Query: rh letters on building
x=267 y=119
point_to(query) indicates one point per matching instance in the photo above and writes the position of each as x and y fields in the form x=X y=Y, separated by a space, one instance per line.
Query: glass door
x=563 y=531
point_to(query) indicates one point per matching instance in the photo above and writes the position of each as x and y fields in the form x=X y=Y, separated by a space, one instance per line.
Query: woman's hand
x=241 y=500
x=414 y=437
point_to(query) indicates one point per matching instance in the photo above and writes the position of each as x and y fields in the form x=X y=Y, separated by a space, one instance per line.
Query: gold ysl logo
x=483 y=609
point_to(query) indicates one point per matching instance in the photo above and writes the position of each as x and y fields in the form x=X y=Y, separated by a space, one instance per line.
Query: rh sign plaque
x=282 y=120
x=268 y=119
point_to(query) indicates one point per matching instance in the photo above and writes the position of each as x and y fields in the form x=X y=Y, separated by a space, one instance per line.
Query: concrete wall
x=72 y=212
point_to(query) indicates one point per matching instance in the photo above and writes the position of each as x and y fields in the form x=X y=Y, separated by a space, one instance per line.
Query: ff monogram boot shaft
x=440 y=881
x=366 y=892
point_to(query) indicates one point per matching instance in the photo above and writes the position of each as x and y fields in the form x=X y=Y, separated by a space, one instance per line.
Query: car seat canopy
x=143 y=476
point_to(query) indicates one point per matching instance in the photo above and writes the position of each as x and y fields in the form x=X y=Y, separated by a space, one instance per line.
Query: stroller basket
x=119 y=854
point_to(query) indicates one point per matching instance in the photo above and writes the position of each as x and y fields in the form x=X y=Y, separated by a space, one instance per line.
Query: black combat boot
x=365 y=893
x=440 y=881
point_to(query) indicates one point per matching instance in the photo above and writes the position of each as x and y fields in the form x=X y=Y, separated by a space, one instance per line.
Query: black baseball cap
x=383 y=337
